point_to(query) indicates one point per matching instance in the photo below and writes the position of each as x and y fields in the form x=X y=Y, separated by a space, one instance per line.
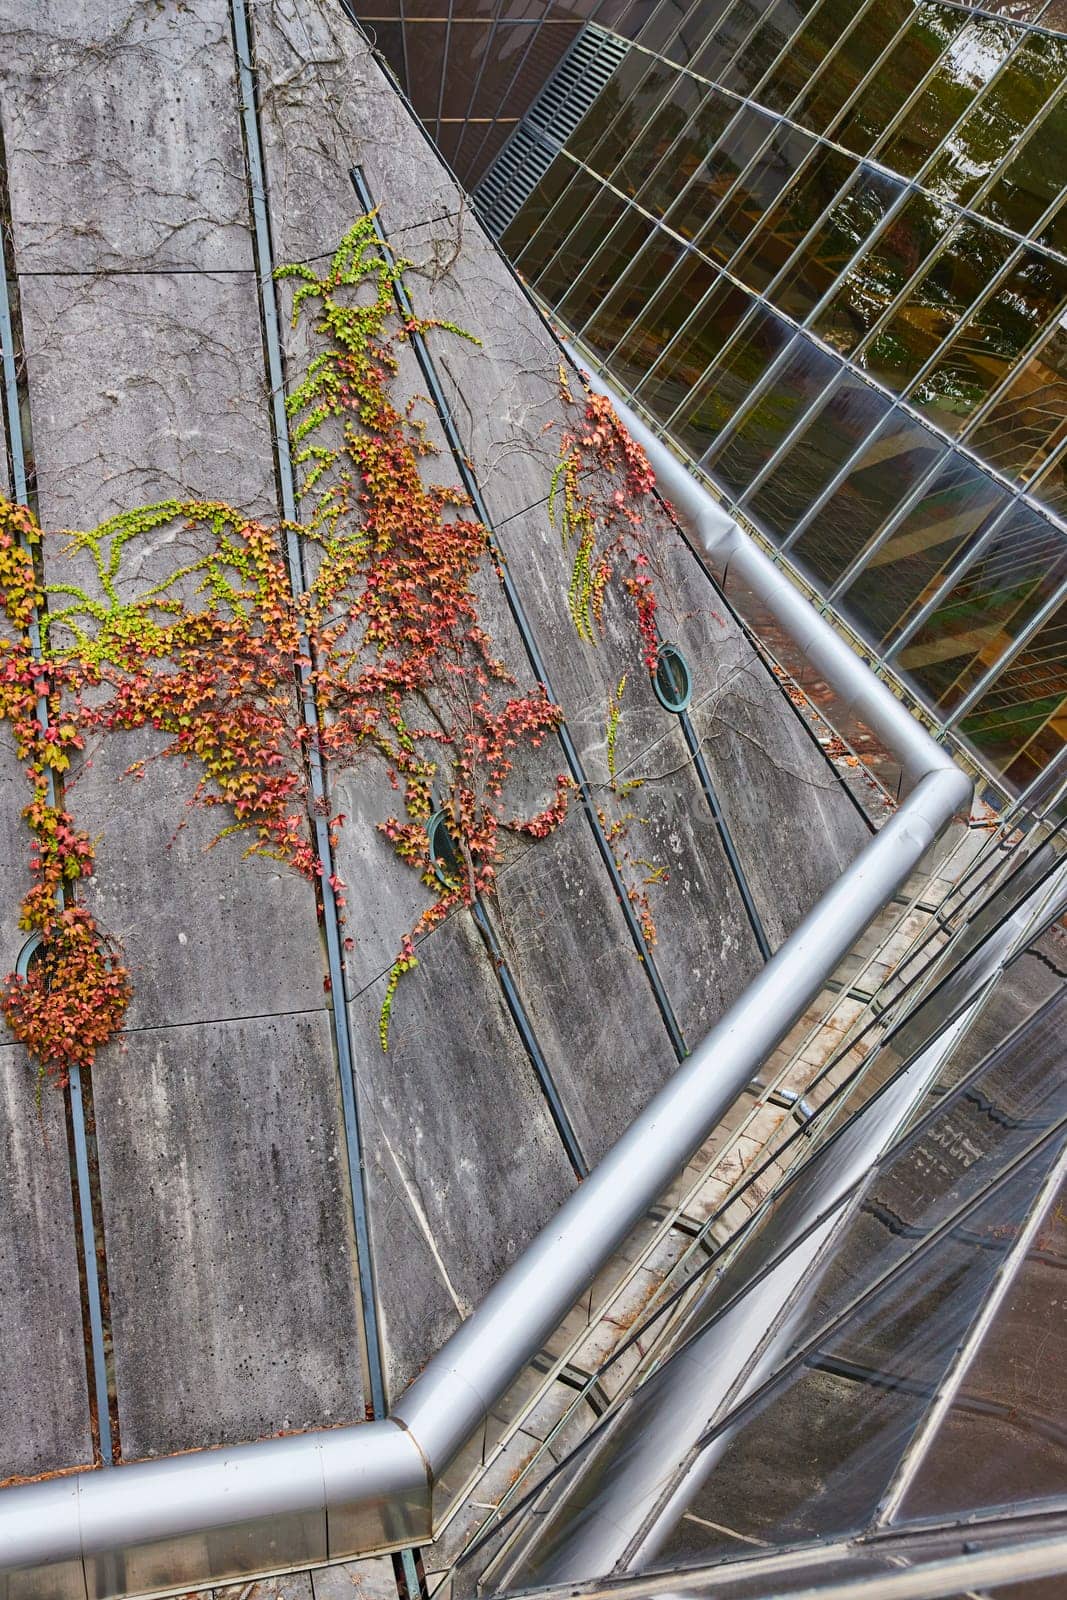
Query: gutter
x=213 y=1516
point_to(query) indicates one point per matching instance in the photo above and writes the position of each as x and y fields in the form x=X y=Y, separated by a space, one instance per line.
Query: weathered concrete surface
x=458 y=1138
x=225 y=1195
x=123 y=144
x=43 y=1395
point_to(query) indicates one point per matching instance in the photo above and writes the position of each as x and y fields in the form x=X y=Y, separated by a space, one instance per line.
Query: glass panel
x=902 y=574
x=695 y=349
x=795 y=386
x=537 y=206
x=998 y=118
x=1030 y=417
x=833 y=431
x=732 y=31
x=608 y=264
x=749 y=203
x=715 y=113
x=908 y=62
x=790 y=218
x=973 y=57
x=981 y=355
x=868 y=285
x=1032 y=181
x=752 y=61
x=730 y=381
x=692 y=36
x=652 y=143
x=735 y=150
x=603 y=210
x=807 y=51
x=820 y=1450
x=1003 y=1436
x=849 y=64
x=619 y=139
x=888 y=468
x=1020 y=723
x=650 y=274
x=608 y=104
x=579 y=191
x=1051 y=487
x=988 y=607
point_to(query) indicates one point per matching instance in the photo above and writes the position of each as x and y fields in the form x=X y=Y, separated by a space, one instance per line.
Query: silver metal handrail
x=328 y=1495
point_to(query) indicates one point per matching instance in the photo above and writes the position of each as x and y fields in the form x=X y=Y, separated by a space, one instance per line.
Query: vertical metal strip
x=87 y=1224
x=725 y=836
x=429 y=372
x=331 y=915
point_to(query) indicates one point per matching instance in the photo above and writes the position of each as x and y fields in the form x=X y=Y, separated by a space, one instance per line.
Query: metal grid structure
x=824 y=248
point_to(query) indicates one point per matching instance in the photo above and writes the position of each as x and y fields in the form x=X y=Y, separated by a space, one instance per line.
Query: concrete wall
x=225 y=1197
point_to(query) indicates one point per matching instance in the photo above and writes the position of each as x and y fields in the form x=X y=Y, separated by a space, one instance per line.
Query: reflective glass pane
x=993 y=126
x=1030 y=418
x=595 y=219
x=752 y=61
x=1003 y=1436
x=713 y=115
x=605 y=268
x=641 y=160
x=1020 y=723
x=536 y=207
x=1020 y=568
x=790 y=218
x=742 y=139
x=1032 y=180
x=757 y=191
x=908 y=62
x=809 y=48
x=629 y=125
x=1051 y=487
x=870 y=283
x=796 y=385
x=905 y=571
x=731 y=380
x=624 y=82
x=580 y=191
x=832 y=433
x=730 y=32
x=890 y=465
x=972 y=58
x=984 y=351
x=647 y=277
x=693 y=351
x=699 y=22
x=847 y=66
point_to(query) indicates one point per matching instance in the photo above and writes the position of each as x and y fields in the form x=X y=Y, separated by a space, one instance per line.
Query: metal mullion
x=864 y=7
x=618 y=284
x=546 y=219
x=947 y=584
x=444 y=70
x=999 y=16
x=904 y=509
x=846 y=189
x=801 y=25
x=949 y=1387
x=1036 y=623
x=995 y=395
x=816 y=405
x=479 y=75
x=1042 y=776
x=1047 y=466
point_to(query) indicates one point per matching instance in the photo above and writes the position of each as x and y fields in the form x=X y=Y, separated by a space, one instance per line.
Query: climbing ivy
x=350 y=635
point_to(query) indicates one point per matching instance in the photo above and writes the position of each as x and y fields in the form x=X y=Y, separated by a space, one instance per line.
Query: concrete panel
x=325 y=106
x=581 y=980
x=144 y=387
x=794 y=827
x=144 y=95
x=227 y=1220
x=457 y=1136
x=43 y=1387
